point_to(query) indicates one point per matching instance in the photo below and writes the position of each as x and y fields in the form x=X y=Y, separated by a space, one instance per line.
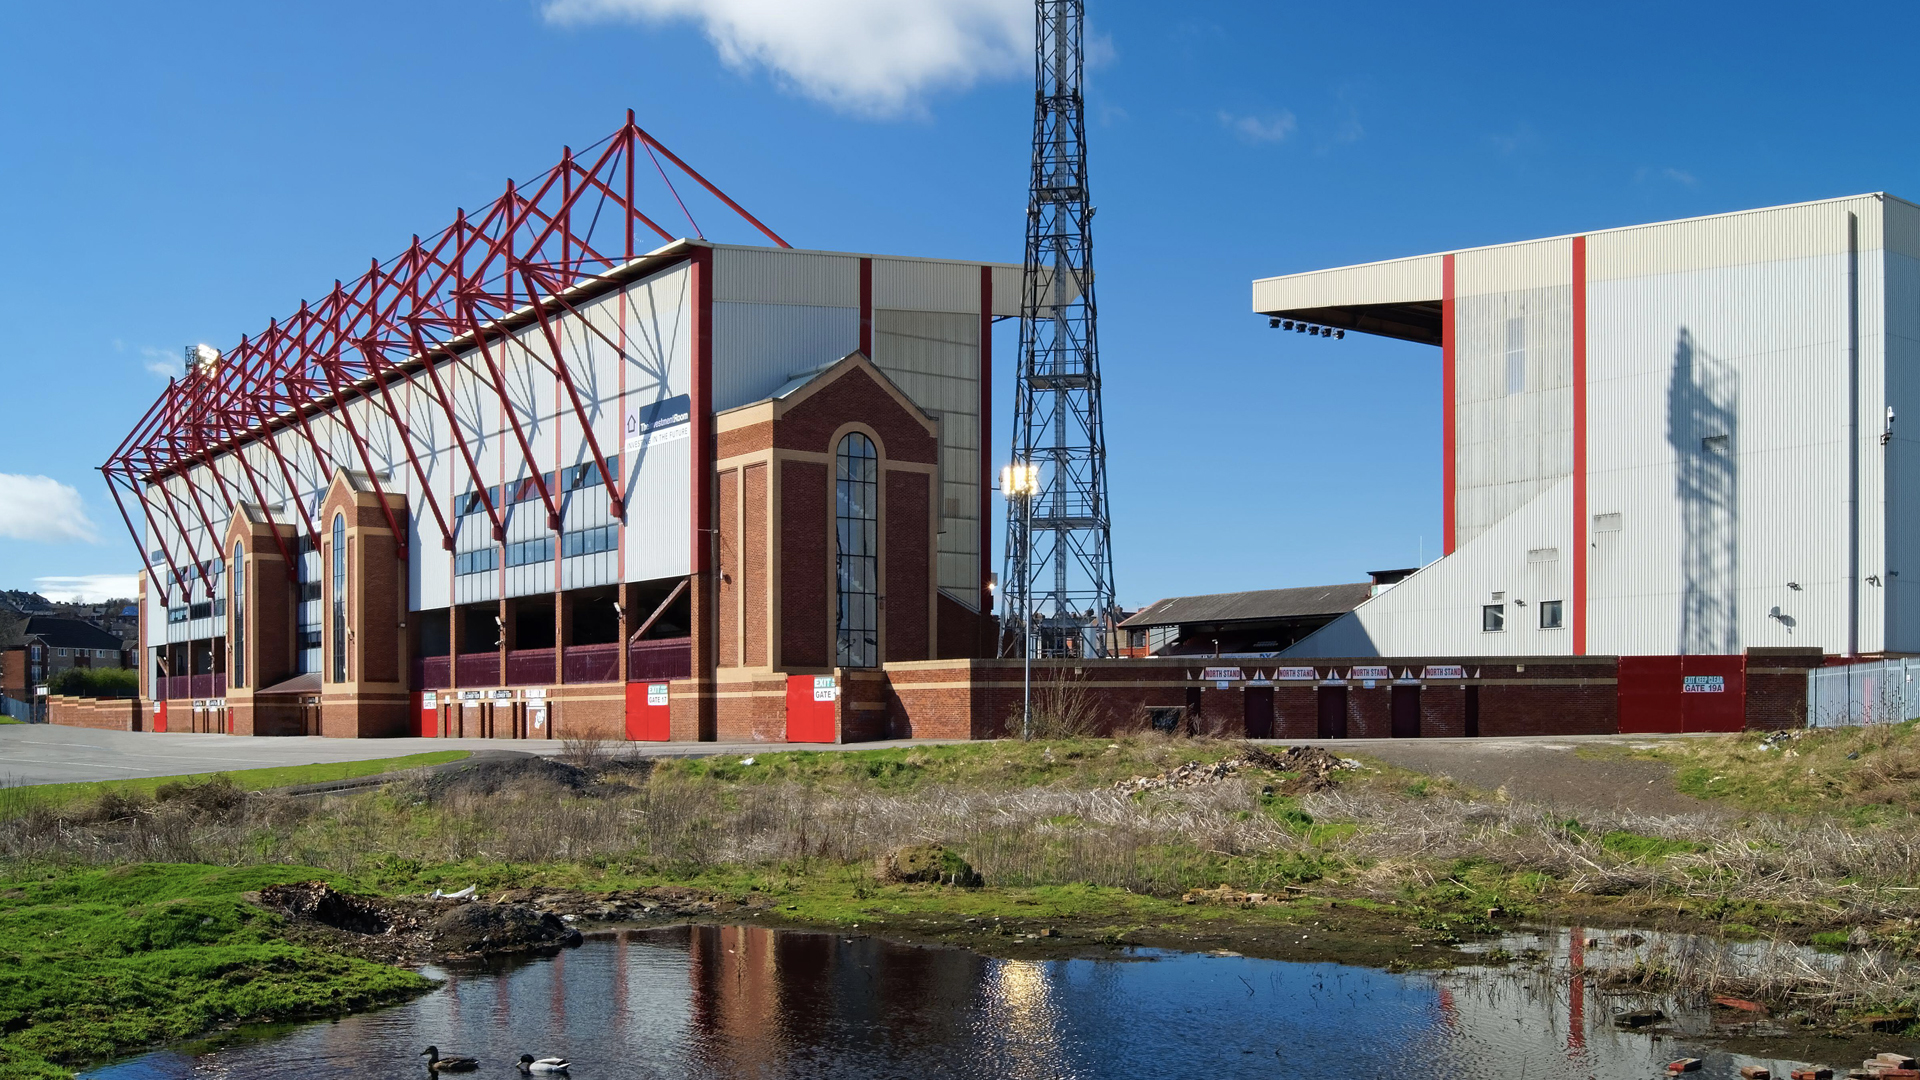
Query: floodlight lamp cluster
x=1298 y=327
x=1020 y=480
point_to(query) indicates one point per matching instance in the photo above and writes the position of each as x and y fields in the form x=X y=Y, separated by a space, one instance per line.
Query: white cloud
x=1259 y=129
x=42 y=508
x=160 y=362
x=871 y=57
x=88 y=588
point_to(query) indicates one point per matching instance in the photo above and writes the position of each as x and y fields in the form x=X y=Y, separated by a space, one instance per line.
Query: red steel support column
x=866 y=308
x=1580 y=551
x=701 y=408
x=1448 y=347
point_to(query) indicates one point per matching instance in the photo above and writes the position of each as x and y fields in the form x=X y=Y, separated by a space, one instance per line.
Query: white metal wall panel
x=1512 y=443
x=1536 y=264
x=1007 y=283
x=1755 y=236
x=1711 y=535
x=781 y=276
x=934 y=358
x=659 y=367
x=1902 y=454
x=1400 y=281
x=925 y=285
x=757 y=348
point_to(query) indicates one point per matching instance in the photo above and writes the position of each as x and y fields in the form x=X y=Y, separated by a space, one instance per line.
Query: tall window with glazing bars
x=857 y=559
x=239 y=619
x=339 y=598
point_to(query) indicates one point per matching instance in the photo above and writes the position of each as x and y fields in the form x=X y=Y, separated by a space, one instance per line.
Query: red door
x=1714 y=690
x=811 y=702
x=648 y=717
x=427 y=715
x=159 y=716
x=1649 y=692
x=1674 y=694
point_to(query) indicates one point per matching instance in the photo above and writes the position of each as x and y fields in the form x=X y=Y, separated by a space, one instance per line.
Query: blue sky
x=181 y=173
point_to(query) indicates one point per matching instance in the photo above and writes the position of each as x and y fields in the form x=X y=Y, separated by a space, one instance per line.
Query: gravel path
x=1548 y=770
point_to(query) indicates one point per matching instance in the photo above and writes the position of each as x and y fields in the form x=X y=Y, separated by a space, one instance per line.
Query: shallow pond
x=743 y=1001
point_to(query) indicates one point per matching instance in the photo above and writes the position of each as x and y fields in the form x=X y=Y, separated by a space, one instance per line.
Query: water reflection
x=746 y=1002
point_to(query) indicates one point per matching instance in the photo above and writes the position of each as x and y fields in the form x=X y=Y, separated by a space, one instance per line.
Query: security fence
x=1874 y=692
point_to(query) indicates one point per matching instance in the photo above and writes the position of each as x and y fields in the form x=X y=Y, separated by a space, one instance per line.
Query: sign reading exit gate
x=1703 y=684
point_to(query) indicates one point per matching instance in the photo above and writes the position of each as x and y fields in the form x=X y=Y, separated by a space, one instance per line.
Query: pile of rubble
x=1229 y=896
x=413 y=929
x=1313 y=766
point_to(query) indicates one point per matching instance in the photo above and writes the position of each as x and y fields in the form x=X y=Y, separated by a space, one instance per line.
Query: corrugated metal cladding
x=1722 y=426
x=1401 y=281
x=934 y=357
x=757 y=348
x=776 y=276
x=1513 y=394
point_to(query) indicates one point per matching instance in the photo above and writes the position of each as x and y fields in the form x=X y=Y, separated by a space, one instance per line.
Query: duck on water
x=457 y=1064
x=531 y=1064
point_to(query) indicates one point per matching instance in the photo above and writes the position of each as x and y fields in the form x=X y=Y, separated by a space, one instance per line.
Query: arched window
x=857 y=558
x=238 y=606
x=339 y=598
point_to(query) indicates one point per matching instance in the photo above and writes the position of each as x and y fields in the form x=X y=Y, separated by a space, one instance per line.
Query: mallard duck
x=531 y=1064
x=437 y=1064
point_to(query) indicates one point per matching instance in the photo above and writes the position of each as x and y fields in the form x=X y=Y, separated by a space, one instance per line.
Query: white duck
x=530 y=1064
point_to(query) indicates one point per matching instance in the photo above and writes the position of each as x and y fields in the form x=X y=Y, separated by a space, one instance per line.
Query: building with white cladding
x=1693 y=437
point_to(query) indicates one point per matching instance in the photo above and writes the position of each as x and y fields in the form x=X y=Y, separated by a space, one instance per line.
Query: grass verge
x=96 y=963
x=1866 y=775
x=17 y=800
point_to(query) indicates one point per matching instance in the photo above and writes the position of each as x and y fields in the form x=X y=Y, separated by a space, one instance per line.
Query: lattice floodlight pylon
x=520 y=259
x=1059 y=576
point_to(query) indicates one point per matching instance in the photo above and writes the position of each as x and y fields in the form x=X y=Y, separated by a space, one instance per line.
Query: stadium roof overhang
x=1396 y=299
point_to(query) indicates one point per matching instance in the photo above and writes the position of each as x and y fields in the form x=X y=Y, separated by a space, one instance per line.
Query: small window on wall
x=1550 y=614
x=1516 y=356
x=1493 y=618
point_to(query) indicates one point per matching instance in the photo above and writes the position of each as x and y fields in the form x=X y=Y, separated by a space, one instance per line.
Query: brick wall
x=983 y=697
x=909 y=561
x=383 y=591
x=1443 y=710
x=810 y=424
x=805 y=619
x=727 y=541
x=586 y=711
x=753 y=563
x=751 y=709
x=100 y=714
x=1369 y=711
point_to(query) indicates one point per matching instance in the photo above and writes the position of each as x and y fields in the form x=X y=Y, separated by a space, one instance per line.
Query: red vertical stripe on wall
x=866 y=308
x=1447 y=519
x=985 y=439
x=1580 y=446
x=700 y=409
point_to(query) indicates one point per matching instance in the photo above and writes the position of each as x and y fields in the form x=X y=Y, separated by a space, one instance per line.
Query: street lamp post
x=1022 y=482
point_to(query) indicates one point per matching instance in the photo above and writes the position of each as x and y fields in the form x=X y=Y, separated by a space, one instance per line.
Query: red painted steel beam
x=458 y=286
x=618 y=504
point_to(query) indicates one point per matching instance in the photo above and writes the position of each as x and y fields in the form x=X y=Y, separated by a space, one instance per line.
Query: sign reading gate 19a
x=1703 y=684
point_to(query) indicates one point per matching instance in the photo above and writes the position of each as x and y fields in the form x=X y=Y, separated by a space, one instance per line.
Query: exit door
x=1406 y=712
x=1259 y=711
x=1333 y=712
